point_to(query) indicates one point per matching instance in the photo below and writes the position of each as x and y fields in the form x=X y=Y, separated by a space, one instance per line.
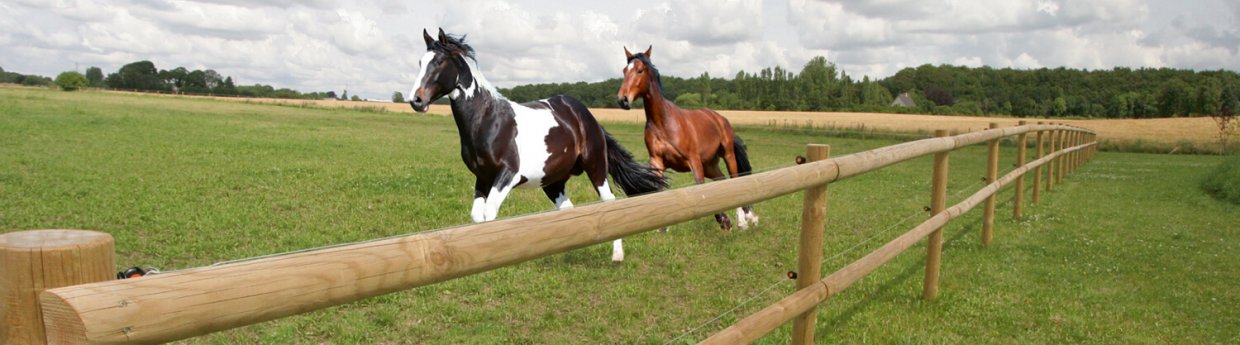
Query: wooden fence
x=186 y=303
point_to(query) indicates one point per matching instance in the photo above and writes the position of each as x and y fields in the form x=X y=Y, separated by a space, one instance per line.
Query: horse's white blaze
x=417 y=83
x=533 y=127
x=740 y=218
x=478 y=213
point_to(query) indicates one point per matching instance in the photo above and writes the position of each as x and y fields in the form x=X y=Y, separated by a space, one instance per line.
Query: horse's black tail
x=742 y=158
x=742 y=166
x=633 y=177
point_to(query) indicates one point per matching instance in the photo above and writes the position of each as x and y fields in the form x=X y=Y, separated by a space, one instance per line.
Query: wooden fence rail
x=766 y=320
x=181 y=304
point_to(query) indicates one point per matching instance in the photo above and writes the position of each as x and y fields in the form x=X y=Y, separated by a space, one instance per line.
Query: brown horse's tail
x=742 y=158
x=633 y=177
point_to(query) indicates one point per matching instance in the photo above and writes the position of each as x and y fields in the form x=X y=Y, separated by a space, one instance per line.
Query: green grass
x=1224 y=181
x=1127 y=250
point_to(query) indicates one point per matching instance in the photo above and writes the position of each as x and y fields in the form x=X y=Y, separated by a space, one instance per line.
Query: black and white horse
x=533 y=145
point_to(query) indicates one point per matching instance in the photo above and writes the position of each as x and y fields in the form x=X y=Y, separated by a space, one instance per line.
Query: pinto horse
x=538 y=144
x=685 y=140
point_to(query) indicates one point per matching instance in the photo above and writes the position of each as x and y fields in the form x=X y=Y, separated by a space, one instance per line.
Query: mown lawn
x=1128 y=250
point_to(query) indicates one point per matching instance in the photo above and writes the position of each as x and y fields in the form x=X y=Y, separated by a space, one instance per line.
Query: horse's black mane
x=649 y=66
x=453 y=44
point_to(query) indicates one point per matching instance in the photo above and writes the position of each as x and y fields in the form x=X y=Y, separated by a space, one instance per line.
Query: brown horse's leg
x=712 y=171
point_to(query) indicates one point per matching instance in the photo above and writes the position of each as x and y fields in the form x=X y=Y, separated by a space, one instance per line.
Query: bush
x=71 y=80
x=1224 y=181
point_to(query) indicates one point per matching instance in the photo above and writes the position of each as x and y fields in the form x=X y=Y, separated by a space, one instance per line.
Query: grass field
x=1127 y=250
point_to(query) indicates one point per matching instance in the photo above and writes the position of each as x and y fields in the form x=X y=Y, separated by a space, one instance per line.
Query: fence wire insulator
x=800 y=160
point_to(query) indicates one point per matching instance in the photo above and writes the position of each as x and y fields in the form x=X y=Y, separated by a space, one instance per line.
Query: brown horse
x=685 y=140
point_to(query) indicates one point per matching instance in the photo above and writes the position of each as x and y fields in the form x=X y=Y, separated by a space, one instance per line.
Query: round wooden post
x=938 y=202
x=1020 y=181
x=1037 y=174
x=32 y=261
x=992 y=172
x=1063 y=143
x=1052 y=166
x=809 y=262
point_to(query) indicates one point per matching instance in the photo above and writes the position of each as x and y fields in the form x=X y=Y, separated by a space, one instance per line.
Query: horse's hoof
x=725 y=224
x=663 y=229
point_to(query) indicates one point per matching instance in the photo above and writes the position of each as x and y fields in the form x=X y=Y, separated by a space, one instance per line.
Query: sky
x=372 y=47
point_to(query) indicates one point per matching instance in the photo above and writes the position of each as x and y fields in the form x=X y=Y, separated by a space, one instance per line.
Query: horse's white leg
x=562 y=202
x=617 y=246
x=478 y=213
x=740 y=218
x=497 y=197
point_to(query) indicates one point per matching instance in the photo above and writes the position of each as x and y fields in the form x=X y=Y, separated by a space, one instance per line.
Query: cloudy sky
x=373 y=46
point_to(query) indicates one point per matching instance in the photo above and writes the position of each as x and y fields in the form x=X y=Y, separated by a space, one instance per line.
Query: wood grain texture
x=32 y=261
x=181 y=304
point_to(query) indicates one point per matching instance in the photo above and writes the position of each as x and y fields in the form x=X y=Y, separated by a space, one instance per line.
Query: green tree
x=140 y=75
x=689 y=100
x=71 y=80
x=398 y=97
x=94 y=76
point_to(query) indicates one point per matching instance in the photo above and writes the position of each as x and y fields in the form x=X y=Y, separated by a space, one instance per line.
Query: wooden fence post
x=33 y=261
x=809 y=262
x=992 y=172
x=1076 y=140
x=938 y=202
x=1020 y=181
x=1051 y=167
x=1037 y=174
x=1063 y=143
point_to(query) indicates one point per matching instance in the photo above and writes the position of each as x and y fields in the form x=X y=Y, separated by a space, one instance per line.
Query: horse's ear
x=443 y=37
x=648 y=50
x=427 y=37
x=627 y=54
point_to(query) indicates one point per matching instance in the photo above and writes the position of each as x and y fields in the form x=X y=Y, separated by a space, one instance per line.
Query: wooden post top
x=51 y=239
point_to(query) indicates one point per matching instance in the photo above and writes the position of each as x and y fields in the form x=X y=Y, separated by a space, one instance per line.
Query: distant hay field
x=1171 y=131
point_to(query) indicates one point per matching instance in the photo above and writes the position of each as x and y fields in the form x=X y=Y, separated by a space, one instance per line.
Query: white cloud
x=372 y=46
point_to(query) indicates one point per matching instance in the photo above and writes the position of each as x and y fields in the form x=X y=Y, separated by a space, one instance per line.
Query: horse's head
x=442 y=70
x=637 y=74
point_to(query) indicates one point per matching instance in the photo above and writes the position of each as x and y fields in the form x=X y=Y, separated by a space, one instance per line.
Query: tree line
x=143 y=76
x=944 y=89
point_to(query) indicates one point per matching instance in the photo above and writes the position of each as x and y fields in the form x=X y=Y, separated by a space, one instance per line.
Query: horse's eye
x=640 y=71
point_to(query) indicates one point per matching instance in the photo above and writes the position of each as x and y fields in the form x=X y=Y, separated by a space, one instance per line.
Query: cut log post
x=809 y=263
x=938 y=202
x=1020 y=181
x=992 y=172
x=32 y=261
